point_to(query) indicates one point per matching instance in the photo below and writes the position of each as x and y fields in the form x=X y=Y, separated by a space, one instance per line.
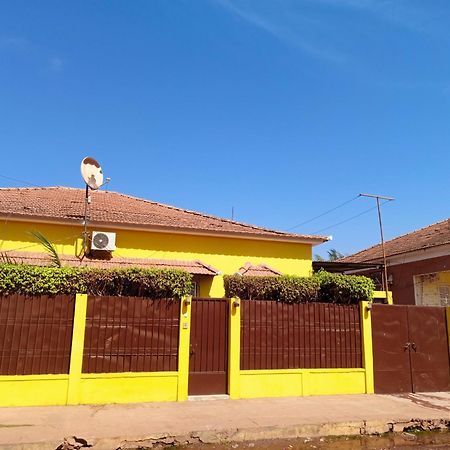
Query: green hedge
x=36 y=280
x=344 y=289
x=321 y=287
x=289 y=289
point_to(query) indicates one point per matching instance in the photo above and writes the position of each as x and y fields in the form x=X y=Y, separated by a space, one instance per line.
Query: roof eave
x=298 y=239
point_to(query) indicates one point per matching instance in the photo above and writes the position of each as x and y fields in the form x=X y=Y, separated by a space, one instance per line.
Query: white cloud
x=281 y=31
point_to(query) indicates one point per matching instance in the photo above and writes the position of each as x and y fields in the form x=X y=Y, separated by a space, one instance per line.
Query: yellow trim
x=234 y=348
x=301 y=382
x=33 y=390
x=183 y=348
x=128 y=387
x=382 y=295
x=76 y=356
x=367 y=348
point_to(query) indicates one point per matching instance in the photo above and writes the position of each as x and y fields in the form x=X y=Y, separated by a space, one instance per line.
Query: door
x=429 y=349
x=410 y=349
x=208 y=361
x=391 y=362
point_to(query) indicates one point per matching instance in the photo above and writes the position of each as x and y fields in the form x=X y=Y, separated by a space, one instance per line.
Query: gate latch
x=409 y=346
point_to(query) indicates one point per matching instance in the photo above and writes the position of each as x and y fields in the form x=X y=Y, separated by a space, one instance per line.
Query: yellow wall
x=82 y=388
x=225 y=254
x=297 y=382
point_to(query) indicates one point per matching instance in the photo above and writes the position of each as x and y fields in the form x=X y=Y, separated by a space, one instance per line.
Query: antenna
x=92 y=174
x=380 y=223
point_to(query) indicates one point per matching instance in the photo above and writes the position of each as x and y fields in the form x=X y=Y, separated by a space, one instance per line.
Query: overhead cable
x=18 y=181
x=324 y=213
x=347 y=220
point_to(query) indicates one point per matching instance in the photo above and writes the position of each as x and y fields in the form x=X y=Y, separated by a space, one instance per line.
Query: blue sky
x=280 y=108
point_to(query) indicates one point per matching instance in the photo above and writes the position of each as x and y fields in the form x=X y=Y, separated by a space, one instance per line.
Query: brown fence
x=35 y=334
x=287 y=336
x=131 y=334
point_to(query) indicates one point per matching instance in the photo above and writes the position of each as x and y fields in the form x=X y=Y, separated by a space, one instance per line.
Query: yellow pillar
x=382 y=295
x=367 y=349
x=234 y=348
x=183 y=348
x=76 y=355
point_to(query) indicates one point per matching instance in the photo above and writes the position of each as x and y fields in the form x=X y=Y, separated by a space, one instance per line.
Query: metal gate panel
x=391 y=361
x=428 y=349
x=208 y=361
x=35 y=334
x=131 y=334
x=278 y=335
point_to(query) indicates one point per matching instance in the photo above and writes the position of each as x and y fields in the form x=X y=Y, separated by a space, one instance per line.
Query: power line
x=18 y=181
x=347 y=220
x=324 y=213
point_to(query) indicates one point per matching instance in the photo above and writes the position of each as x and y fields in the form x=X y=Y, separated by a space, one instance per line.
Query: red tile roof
x=261 y=270
x=112 y=208
x=427 y=237
x=42 y=259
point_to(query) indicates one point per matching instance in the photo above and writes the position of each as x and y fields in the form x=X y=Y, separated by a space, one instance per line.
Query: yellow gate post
x=234 y=348
x=183 y=348
x=76 y=354
x=365 y=309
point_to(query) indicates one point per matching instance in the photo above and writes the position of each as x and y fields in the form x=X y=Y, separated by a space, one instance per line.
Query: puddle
x=397 y=441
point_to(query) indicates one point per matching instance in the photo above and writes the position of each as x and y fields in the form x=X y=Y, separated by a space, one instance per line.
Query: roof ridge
x=395 y=239
x=246 y=227
x=197 y=213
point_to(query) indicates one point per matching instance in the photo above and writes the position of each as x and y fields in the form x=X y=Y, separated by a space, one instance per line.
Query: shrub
x=344 y=289
x=321 y=287
x=36 y=280
x=284 y=288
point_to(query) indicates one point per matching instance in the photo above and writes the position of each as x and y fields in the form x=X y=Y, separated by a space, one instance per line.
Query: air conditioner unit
x=103 y=241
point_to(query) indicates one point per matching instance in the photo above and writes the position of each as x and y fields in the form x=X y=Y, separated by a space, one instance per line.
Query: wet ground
x=400 y=441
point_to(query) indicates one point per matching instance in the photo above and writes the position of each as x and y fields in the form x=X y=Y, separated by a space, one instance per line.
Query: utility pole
x=380 y=222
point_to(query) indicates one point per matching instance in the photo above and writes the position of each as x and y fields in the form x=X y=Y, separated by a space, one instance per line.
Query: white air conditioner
x=103 y=241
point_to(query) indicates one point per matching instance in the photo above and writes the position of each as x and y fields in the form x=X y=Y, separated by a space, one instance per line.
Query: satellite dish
x=92 y=173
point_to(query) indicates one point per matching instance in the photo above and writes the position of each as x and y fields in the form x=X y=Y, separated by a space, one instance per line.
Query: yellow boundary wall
x=298 y=382
x=78 y=388
x=130 y=387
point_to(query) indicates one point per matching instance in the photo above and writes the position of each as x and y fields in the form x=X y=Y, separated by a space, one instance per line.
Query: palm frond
x=49 y=248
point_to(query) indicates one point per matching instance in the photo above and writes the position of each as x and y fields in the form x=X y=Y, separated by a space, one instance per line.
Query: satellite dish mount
x=92 y=174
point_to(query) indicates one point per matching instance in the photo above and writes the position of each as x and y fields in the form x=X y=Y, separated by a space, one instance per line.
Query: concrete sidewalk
x=118 y=426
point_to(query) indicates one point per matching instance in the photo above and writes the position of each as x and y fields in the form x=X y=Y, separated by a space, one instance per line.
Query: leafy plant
x=321 y=287
x=345 y=289
x=49 y=248
x=35 y=280
x=333 y=255
x=284 y=288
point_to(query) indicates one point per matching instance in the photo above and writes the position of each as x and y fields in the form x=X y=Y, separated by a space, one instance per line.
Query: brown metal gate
x=208 y=361
x=410 y=349
x=276 y=335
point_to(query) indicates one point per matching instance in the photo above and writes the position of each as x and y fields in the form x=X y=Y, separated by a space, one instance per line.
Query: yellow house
x=125 y=231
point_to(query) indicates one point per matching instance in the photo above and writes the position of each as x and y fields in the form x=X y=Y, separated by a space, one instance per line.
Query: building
x=418 y=265
x=144 y=234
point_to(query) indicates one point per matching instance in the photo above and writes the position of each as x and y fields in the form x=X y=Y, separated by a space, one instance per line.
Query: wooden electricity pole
x=380 y=222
